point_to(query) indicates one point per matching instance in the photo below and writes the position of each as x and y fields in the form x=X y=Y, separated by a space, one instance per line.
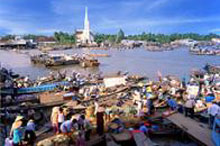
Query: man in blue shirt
x=171 y=103
x=143 y=128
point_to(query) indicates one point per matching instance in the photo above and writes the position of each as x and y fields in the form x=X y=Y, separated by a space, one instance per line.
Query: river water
x=137 y=61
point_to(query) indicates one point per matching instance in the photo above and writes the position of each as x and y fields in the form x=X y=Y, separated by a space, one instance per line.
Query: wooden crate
x=48 y=97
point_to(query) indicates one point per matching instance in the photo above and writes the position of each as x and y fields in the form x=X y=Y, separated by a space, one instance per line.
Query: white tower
x=87 y=37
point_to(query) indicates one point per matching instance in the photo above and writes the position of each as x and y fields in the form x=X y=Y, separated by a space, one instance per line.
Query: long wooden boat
x=42 y=88
x=99 y=55
x=61 y=60
x=212 y=68
x=89 y=63
x=39 y=59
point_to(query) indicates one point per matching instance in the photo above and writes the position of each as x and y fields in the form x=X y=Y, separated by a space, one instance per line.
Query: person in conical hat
x=17 y=133
x=16 y=122
x=18 y=118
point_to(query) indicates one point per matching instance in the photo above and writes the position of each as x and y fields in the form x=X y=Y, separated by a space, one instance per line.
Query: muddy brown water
x=137 y=61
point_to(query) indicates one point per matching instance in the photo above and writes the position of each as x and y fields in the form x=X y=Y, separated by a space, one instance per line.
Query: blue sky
x=108 y=16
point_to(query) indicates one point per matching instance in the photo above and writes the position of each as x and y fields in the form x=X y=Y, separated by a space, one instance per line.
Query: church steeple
x=86 y=21
x=87 y=38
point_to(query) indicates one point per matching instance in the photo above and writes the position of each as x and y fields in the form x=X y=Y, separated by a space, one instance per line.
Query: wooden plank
x=196 y=129
x=142 y=140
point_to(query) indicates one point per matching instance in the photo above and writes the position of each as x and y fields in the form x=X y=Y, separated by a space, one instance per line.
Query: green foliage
x=160 y=38
x=120 y=36
x=8 y=37
x=100 y=38
x=64 y=38
x=31 y=36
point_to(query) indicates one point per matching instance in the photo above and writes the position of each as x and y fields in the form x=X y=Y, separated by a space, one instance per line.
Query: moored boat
x=57 y=60
x=41 y=58
x=89 y=63
x=212 y=68
x=99 y=55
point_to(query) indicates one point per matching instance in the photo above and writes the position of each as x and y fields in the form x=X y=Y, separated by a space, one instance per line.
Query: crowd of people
x=21 y=133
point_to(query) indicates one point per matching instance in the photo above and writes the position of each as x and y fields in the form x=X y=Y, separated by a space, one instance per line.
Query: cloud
x=106 y=16
x=48 y=31
x=151 y=24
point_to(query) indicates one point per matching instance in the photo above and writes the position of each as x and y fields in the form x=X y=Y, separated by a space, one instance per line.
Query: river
x=137 y=61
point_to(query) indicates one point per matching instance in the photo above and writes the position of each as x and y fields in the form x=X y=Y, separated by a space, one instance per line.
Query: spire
x=86 y=21
x=87 y=37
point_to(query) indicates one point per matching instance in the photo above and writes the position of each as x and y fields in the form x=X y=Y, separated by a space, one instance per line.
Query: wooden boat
x=41 y=88
x=99 y=55
x=89 y=63
x=61 y=60
x=41 y=58
x=212 y=68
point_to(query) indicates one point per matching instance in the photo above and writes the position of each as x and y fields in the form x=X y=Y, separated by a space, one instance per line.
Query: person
x=213 y=111
x=17 y=134
x=80 y=122
x=87 y=128
x=143 y=128
x=61 y=118
x=30 y=135
x=96 y=107
x=100 y=121
x=17 y=120
x=54 y=119
x=150 y=106
x=80 y=140
x=171 y=103
x=107 y=113
x=209 y=98
x=189 y=107
x=139 y=107
x=67 y=126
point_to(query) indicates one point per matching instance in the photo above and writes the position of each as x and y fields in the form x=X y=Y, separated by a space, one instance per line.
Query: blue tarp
x=209 y=98
x=41 y=88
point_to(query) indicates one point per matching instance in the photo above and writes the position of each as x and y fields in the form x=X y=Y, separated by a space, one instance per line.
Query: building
x=216 y=40
x=85 y=37
x=185 y=42
x=44 y=41
x=18 y=43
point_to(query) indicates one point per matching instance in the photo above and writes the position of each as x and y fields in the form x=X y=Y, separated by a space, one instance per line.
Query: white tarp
x=114 y=81
x=193 y=90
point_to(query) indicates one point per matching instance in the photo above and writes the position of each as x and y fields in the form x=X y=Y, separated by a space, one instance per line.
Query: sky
x=108 y=16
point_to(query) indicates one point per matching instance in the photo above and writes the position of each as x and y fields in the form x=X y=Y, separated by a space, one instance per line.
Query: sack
x=8 y=142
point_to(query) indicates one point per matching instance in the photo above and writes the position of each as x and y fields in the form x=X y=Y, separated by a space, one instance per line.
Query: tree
x=64 y=38
x=120 y=36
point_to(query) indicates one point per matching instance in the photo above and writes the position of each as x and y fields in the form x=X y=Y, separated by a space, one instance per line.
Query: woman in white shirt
x=61 y=118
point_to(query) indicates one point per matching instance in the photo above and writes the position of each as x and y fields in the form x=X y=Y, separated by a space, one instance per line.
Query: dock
x=197 y=130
